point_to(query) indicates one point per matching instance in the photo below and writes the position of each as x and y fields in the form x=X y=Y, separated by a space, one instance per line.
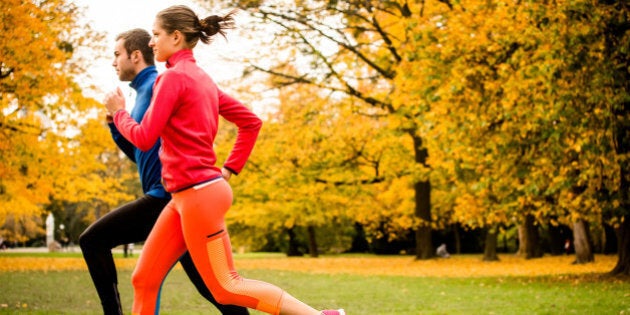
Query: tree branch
x=374 y=180
x=305 y=22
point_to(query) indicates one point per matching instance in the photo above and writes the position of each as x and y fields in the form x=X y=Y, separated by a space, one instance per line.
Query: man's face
x=122 y=62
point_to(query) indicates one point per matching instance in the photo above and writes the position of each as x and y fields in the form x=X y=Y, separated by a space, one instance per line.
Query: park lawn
x=362 y=284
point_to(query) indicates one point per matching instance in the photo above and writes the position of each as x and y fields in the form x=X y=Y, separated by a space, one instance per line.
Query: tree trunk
x=359 y=242
x=312 y=242
x=424 y=245
x=622 y=138
x=623 y=262
x=294 y=246
x=582 y=243
x=458 y=239
x=529 y=239
x=612 y=238
x=621 y=129
x=490 y=246
x=521 y=238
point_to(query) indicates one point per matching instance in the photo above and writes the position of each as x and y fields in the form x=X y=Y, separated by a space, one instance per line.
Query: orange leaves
x=11 y=264
x=463 y=266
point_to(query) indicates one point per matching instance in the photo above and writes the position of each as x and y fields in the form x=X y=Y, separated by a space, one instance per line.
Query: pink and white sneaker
x=334 y=312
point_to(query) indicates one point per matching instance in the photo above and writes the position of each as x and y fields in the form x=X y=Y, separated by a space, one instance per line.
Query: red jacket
x=184 y=113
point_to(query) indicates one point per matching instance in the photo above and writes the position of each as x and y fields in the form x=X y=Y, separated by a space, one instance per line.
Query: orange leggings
x=194 y=220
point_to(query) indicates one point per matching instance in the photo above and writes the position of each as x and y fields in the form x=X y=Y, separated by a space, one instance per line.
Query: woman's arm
x=248 y=127
x=146 y=133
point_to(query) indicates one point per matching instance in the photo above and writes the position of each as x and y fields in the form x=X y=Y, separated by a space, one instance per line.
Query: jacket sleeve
x=248 y=128
x=122 y=143
x=165 y=96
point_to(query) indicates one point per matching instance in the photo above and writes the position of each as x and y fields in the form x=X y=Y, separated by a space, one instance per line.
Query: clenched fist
x=114 y=101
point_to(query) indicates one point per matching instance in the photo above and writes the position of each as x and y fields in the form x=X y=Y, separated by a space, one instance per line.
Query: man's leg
x=129 y=223
x=196 y=279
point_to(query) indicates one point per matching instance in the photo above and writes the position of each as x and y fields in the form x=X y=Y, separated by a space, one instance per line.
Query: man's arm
x=120 y=141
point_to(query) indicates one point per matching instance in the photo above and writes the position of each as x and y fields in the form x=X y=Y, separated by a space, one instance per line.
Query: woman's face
x=163 y=44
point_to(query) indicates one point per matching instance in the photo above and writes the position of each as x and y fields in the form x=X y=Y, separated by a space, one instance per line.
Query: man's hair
x=138 y=39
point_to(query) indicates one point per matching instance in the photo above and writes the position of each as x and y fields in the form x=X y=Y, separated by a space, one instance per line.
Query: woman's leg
x=164 y=246
x=195 y=278
x=209 y=245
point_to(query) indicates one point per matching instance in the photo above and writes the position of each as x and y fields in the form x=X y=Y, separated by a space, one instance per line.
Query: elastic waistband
x=208 y=183
x=202 y=184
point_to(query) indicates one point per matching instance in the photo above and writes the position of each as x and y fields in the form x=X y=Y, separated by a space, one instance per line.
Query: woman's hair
x=183 y=19
x=137 y=39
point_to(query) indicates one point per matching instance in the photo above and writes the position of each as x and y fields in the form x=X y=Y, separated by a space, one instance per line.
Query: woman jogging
x=184 y=114
x=132 y=222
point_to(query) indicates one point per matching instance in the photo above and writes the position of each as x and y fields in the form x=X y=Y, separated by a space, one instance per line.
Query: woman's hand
x=226 y=174
x=114 y=101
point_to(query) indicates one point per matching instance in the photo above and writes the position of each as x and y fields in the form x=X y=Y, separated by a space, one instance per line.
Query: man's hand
x=114 y=101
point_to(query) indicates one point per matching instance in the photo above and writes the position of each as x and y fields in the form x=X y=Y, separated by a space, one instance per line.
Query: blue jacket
x=148 y=162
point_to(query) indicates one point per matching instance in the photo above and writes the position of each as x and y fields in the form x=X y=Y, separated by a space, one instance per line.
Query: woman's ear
x=178 y=38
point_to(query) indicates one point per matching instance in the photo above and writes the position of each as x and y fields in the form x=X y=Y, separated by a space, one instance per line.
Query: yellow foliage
x=40 y=105
x=310 y=160
x=508 y=118
x=510 y=99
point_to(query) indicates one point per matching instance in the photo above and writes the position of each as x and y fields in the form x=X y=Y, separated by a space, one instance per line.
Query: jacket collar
x=184 y=54
x=142 y=76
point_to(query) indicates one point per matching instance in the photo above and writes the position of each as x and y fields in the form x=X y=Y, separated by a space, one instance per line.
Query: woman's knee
x=139 y=278
x=248 y=293
x=224 y=291
x=144 y=280
x=225 y=297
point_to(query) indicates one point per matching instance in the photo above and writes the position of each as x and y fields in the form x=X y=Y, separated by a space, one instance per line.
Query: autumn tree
x=307 y=173
x=523 y=123
x=616 y=33
x=43 y=48
x=351 y=49
x=99 y=177
x=280 y=192
x=522 y=105
x=474 y=72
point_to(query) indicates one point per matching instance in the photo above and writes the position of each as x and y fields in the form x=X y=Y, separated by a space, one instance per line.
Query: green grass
x=72 y=292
